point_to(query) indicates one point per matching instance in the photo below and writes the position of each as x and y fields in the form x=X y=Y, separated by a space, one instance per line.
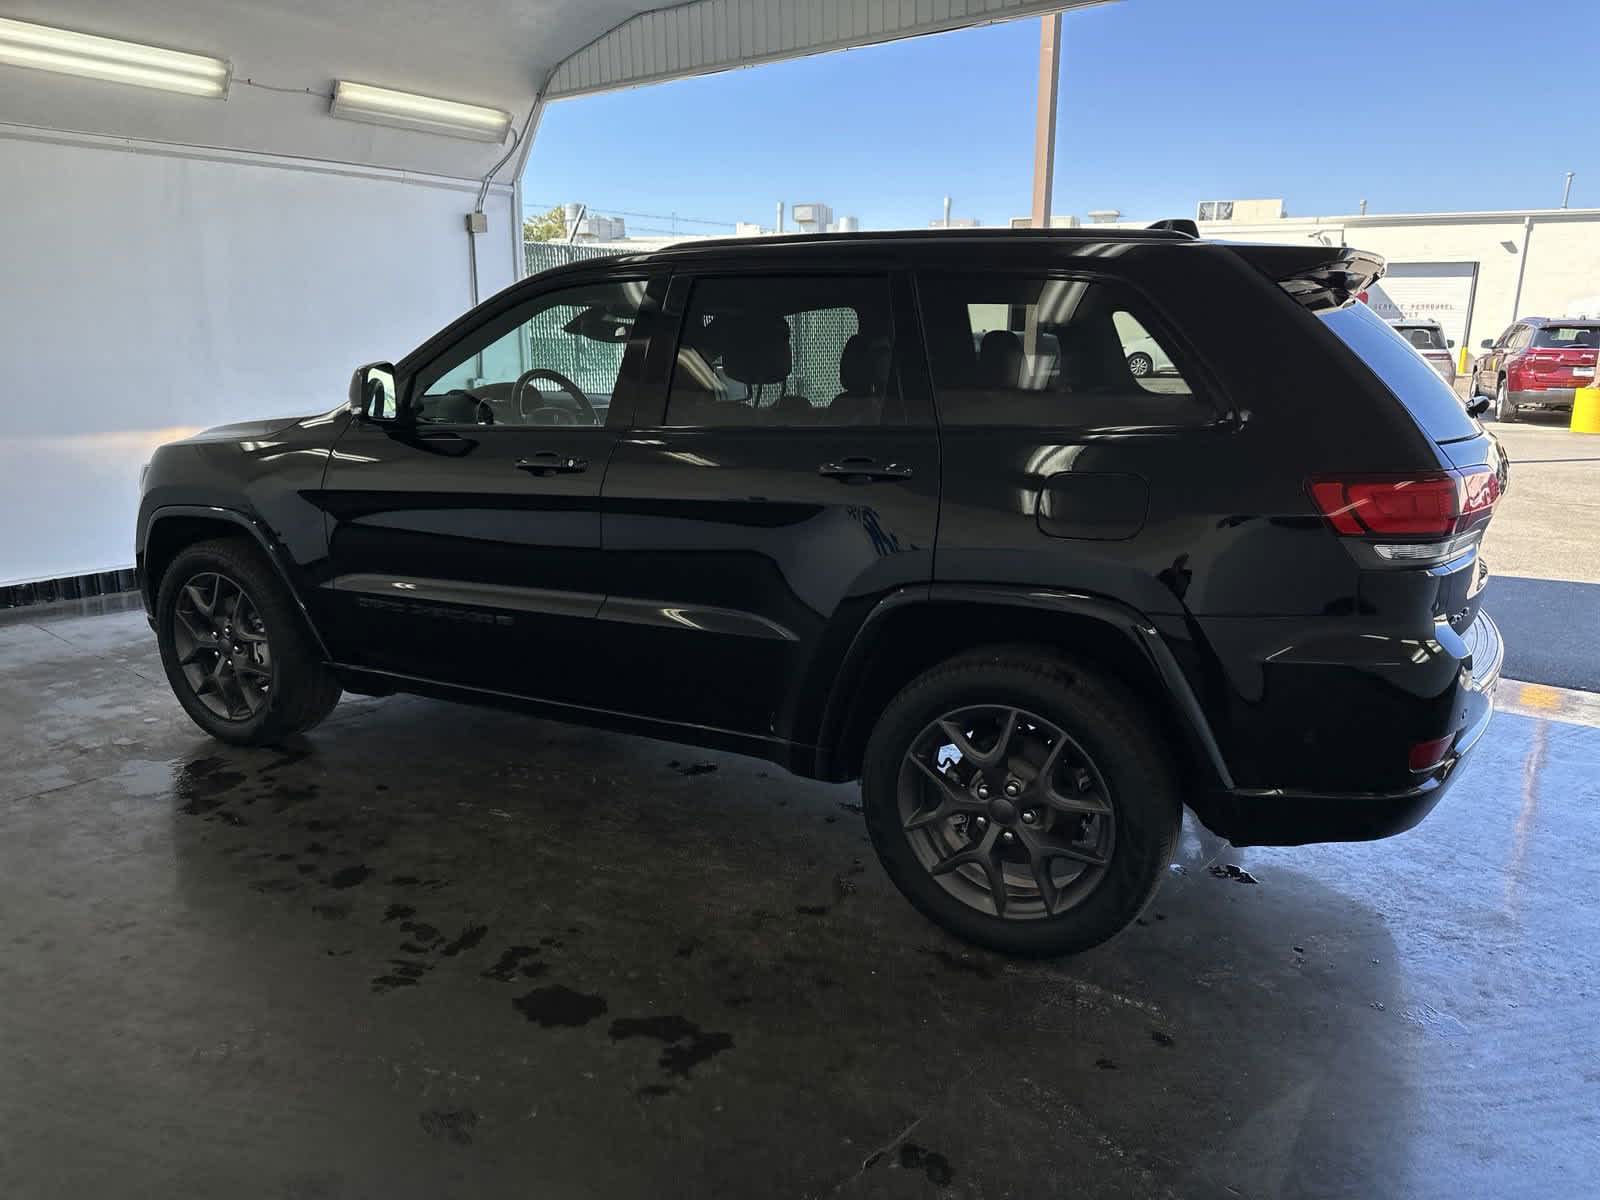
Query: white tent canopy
x=286 y=54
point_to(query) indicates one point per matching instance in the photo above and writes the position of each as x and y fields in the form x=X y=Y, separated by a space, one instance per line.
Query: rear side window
x=1021 y=350
x=777 y=351
x=1429 y=399
x=1567 y=337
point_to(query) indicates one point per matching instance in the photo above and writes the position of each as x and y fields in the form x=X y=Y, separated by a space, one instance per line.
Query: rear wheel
x=1140 y=364
x=235 y=650
x=1504 y=410
x=1020 y=802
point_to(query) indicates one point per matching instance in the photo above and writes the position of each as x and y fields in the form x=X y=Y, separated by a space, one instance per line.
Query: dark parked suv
x=891 y=508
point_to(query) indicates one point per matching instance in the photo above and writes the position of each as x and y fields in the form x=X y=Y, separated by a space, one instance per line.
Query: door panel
x=784 y=479
x=464 y=536
x=731 y=561
x=454 y=562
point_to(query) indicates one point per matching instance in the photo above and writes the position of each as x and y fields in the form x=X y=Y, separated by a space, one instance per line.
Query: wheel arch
x=173 y=528
x=906 y=634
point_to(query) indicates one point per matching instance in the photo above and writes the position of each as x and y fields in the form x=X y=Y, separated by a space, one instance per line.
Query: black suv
x=891 y=507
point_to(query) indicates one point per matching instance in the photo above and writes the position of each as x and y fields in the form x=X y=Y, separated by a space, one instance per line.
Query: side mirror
x=1487 y=343
x=372 y=392
x=1478 y=406
x=1449 y=343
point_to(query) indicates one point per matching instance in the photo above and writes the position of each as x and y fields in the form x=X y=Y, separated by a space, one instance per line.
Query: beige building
x=1473 y=272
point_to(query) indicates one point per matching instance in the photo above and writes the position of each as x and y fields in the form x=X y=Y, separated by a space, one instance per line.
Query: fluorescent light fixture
x=385 y=106
x=43 y=48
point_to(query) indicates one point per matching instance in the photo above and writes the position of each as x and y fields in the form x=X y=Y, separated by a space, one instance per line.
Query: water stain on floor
x=558 y=1006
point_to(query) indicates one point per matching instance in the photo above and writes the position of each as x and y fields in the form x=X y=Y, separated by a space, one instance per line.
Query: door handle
x=548 y=462
x=863 y=470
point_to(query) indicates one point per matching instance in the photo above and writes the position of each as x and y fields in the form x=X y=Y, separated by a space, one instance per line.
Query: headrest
x=1000 y=358
x=755 y=348
x=864 y=365
x=1091 y=356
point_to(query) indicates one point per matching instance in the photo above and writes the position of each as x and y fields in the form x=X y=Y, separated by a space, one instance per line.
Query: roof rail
x=1178 y=225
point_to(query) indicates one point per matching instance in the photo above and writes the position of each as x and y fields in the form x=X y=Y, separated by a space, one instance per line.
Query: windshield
x=1404 y=371
x=1423 y=337
x=1568 y=337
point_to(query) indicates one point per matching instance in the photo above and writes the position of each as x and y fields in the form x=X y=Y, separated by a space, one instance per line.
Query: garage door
x=1439 y=292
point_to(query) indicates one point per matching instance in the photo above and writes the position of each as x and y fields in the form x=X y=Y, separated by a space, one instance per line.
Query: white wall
x=147 y=291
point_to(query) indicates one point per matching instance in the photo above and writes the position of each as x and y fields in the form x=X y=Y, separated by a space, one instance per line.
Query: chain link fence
x=541 y=256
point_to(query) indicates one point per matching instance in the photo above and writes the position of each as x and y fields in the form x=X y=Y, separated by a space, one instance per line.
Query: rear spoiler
x=1319 y=277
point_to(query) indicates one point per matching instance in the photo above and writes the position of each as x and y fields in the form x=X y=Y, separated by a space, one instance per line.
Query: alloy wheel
x=1140 y=364
x=222 y=648
x=1006 y=811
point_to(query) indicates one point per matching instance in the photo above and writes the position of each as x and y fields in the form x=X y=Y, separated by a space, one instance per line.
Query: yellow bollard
x=1586 y=410
x=1464 y=363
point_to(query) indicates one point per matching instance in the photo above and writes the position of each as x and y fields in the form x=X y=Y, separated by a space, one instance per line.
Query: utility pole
x=947 y=212
x=1566 y=192
x=1044 y=129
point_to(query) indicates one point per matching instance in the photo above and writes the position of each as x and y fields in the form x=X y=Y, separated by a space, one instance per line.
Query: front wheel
x=236 y=652
x=1020 y=802
x=1140 y=364
x=1504 y=410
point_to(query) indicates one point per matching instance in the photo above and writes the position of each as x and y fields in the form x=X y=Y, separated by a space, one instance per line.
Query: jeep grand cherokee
x=895 y=508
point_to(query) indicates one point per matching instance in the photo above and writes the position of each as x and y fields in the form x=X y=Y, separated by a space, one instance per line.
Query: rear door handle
x=863 y=470
x=548 y=462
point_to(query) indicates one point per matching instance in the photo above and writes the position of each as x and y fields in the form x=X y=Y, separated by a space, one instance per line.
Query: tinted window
x=1014 y=350
x=555 y=363
x=785 y=350
x=1568 y=337
x=1431 y=401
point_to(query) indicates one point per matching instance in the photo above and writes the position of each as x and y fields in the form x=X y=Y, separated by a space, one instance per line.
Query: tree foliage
x=551 y=227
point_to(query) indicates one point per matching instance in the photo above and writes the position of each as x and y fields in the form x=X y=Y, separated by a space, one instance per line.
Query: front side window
x=773 y=351
x=556 y=363
x=1015 y=350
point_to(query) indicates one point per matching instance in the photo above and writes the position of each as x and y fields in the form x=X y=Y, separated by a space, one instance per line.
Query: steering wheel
x=519 y=391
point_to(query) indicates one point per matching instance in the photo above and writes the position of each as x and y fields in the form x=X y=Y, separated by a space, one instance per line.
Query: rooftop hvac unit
x=811 y=218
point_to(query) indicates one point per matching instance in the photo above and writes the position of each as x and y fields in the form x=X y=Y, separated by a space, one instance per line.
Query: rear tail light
x=1435 y=506
x=1429 y=754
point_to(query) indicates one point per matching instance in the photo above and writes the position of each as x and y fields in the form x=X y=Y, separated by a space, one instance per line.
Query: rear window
x=1430 y=400
x=1423 y=337
x=1568 y=337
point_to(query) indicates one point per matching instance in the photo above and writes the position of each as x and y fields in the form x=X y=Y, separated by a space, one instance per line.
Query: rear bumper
x=1543 y=398
x=1288 y=817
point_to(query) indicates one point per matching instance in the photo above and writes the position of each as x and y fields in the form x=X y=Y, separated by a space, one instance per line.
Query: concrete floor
x=431 y=951
x=1548 y=525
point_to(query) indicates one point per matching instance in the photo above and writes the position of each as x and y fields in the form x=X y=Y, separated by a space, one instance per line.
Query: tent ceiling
x=287 y=53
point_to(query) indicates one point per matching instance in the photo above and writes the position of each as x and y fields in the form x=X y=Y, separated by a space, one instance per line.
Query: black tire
x=1095 y=714
x=302 y=689
x=1504 y=410
x=1141 y=364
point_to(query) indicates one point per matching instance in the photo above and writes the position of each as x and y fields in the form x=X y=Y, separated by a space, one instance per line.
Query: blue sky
x=1476 y=104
